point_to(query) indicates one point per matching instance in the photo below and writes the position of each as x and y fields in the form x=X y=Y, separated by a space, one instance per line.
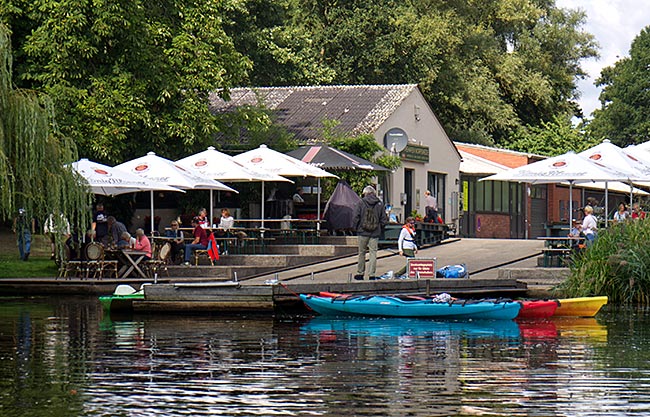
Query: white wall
x=443 y=156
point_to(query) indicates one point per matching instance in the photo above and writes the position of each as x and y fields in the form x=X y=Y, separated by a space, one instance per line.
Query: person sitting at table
x=126 y=241
x=177 y=240
x=225 y=223
x=142 y=243
x=200 y=241
x=621 y=214
x=204 y=222
x=637 y=213
x=575 y=234
x=115 y=229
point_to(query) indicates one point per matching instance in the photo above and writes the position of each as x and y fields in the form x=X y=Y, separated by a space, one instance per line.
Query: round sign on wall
x=395 y=140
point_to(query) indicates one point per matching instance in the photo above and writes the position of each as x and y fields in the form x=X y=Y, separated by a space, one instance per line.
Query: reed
x=617 y=265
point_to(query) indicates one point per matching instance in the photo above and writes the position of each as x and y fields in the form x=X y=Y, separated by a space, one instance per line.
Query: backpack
x=369 y=219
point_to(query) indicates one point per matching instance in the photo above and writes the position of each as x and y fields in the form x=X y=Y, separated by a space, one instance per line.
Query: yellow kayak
x=580 y=307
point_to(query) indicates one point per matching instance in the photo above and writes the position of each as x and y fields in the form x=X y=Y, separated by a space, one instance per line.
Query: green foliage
x=257 y=124
x=33 y=154
x=281 y=52
x=128 y=77
x=487 y=68
x=625 y=114
x=364 y=146
x=617 y=265
x=551 y=138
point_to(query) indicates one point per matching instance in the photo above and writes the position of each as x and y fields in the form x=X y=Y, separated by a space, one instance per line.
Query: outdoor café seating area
x=247 y=237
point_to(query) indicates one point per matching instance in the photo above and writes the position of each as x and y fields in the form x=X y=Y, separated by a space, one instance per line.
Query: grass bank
x=39 y=264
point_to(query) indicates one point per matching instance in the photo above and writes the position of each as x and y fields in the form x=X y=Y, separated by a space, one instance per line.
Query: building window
x=493 y=196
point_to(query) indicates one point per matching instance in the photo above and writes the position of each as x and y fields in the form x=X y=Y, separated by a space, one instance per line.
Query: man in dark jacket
x=368 y=239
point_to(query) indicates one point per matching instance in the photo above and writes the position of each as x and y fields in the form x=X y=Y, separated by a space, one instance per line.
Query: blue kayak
x=383 y=327
x=392 y=306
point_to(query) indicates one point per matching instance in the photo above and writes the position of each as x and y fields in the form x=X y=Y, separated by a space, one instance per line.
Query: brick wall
x=492 y=226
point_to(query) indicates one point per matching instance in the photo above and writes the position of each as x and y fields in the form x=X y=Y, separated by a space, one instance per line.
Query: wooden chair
x=160 y=261
x=201 y=252
x=92 y=266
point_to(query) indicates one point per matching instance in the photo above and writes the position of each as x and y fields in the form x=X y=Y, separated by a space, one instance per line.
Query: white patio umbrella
x=280 y=164
x=568 y=167
x=615 y=157
x=165 y=171
x=222 y=167
x=106 y=180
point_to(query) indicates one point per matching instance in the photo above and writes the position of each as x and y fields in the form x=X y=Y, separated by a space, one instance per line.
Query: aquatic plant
x=617 y=265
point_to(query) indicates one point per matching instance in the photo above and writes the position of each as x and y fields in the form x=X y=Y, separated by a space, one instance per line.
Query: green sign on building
x=417 y=153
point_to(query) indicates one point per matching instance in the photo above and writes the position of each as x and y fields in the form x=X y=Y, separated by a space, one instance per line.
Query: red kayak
x=537 y=309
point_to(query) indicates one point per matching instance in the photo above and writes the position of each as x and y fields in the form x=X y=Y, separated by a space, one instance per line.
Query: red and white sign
x=421 y=267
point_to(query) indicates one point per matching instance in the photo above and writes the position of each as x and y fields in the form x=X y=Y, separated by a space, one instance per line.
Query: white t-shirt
x=589 y=224
x=226 y=222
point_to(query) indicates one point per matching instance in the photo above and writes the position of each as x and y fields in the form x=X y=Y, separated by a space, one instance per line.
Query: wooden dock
x=234 y=297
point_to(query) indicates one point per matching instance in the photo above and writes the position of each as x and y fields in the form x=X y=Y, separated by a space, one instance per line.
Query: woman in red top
x=636 y=212
x=142 y=243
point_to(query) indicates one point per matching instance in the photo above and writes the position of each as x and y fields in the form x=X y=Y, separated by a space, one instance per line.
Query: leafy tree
x=552 y=138
x=486 y=68
x=127 y=76
x=282 y=54
x=625 y=99
x=33 y=155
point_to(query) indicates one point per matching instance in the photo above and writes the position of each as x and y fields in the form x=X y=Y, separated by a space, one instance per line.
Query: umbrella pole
x=151 y=215
x=211 y=208
x=318 y=209
x=262 y=216
x=570 y=203
x=631 y=195
x=606 y=204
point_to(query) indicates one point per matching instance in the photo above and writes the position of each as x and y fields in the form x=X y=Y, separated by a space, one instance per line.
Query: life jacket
x=411 y=229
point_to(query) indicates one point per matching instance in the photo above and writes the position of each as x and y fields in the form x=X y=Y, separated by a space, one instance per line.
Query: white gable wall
x=443 y=156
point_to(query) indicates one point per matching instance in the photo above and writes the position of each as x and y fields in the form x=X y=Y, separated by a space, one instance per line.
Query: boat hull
x=580 y=307
x=120 y=302
x=387 y=306
x=537 y=309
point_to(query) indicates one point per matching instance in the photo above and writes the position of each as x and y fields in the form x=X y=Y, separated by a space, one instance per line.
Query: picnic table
x=559 y=248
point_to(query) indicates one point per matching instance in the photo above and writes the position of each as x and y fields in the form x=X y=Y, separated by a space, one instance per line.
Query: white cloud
x=615 y=24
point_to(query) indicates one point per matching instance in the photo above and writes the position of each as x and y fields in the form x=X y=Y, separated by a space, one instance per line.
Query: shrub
x=617 y=265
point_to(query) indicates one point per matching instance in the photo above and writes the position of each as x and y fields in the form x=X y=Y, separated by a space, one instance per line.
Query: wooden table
x=560 y=247
x=133 y=260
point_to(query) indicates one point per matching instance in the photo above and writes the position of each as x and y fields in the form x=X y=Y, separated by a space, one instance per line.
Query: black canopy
x=339 y=211
x=325 y=157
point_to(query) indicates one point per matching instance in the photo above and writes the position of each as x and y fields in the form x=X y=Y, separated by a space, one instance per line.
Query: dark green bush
x=617 y=265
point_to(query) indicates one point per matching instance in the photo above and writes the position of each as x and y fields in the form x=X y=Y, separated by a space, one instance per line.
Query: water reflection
x=61 y=357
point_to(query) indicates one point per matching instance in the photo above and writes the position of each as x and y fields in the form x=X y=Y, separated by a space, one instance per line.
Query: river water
x=63 y=357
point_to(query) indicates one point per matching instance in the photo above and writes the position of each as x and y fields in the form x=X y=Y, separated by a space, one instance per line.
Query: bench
x=555 y=253
x=253 y=242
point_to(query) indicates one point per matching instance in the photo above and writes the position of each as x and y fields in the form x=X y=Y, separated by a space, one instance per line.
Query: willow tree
x=33 y=157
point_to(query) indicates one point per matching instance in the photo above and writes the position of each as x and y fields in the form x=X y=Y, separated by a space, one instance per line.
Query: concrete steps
x=277 y=258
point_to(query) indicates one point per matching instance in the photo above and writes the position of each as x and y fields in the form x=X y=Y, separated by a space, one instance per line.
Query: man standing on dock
x=369 y=220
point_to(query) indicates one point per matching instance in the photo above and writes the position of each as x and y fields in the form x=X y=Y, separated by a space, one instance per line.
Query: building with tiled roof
x=397 y=116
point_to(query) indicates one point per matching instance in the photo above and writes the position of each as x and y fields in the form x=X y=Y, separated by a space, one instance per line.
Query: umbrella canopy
x=281 y=164
x=165 y=171
x=219 y=166
x=105 y=180
x=156 y=168
x=614 y=157
x=566 y=167
x=323 y=156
